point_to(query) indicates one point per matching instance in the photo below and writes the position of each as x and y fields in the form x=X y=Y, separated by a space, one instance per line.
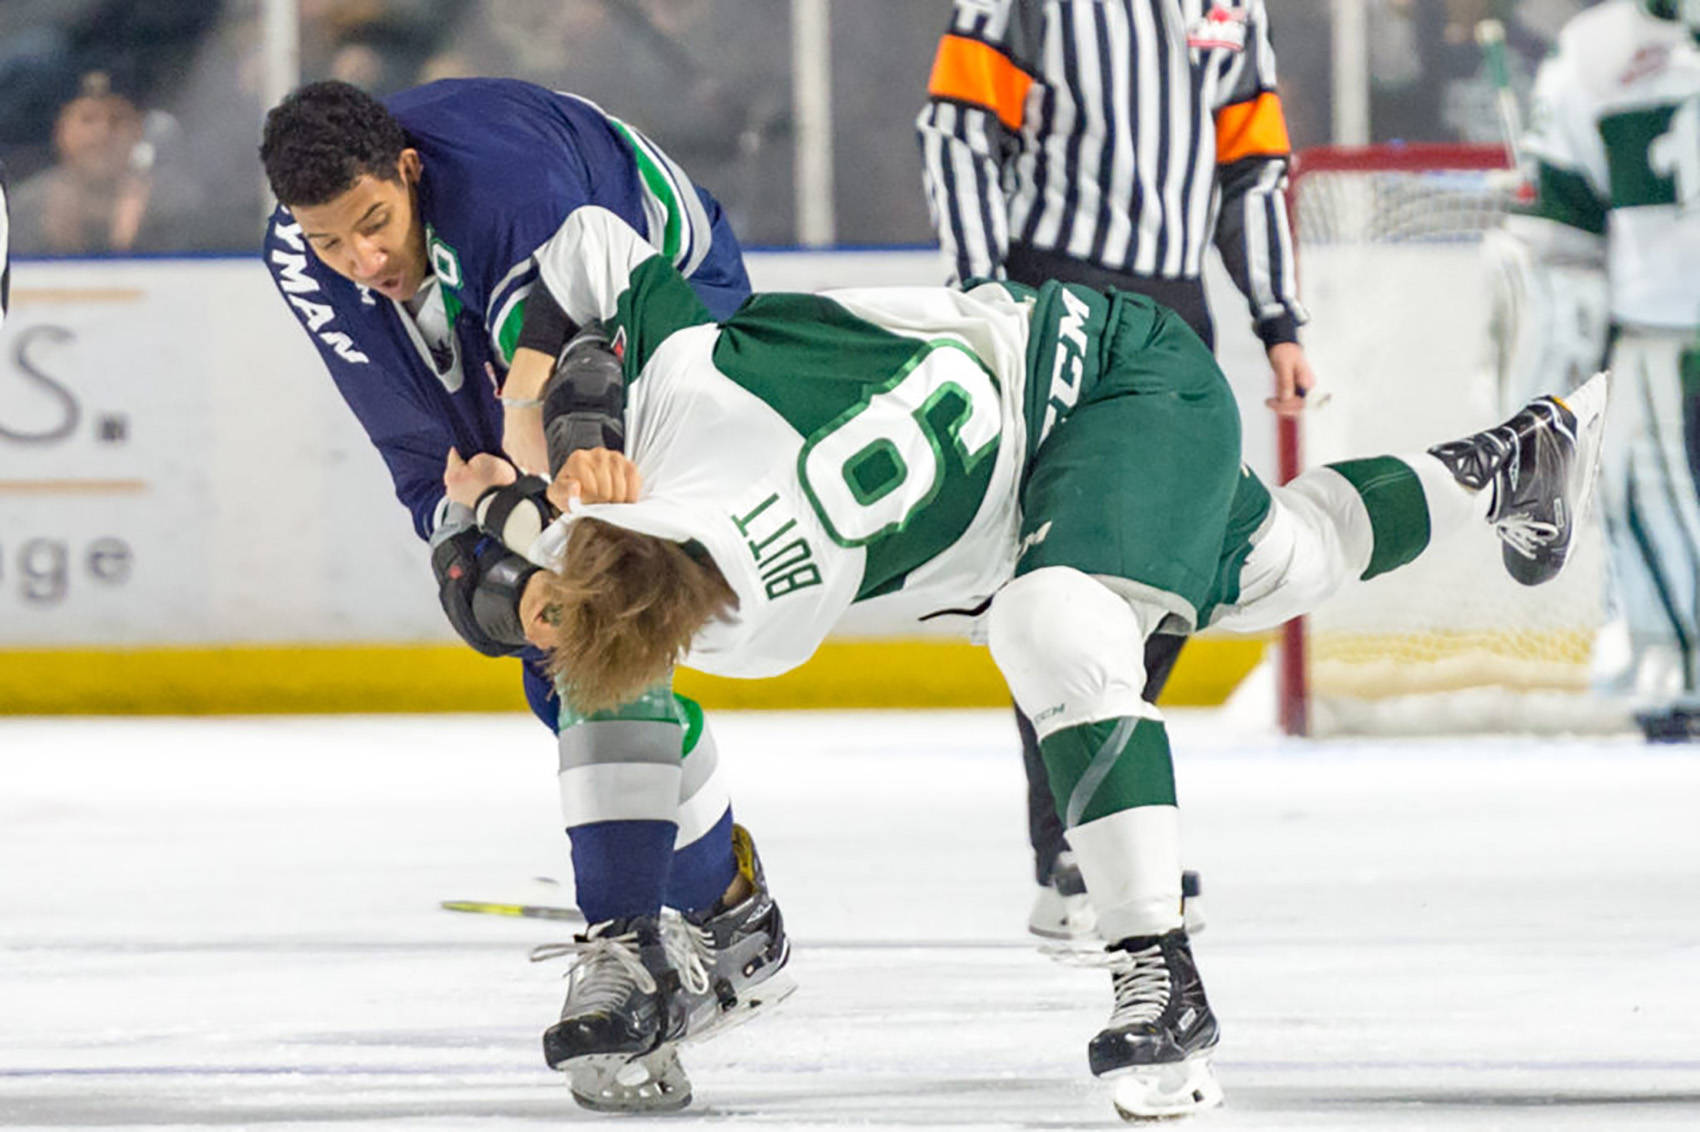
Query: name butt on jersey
x=785 y=566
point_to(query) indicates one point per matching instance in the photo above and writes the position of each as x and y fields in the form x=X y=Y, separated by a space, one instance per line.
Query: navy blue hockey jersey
x=505 y=163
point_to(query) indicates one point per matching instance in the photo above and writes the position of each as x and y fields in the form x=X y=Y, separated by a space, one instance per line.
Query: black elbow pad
x=479 y=583
x=584 y=404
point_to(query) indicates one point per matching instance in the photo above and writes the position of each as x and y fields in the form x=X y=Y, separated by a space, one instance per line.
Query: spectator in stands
x=377 y=45
x=45 y=45
x=1428 y=80
x=106 y=192
x=708 y=80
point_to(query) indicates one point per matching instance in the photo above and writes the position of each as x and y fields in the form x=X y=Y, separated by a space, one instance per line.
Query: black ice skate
x=1158 y=1041
x=626 y=1009
x=1679 y=724
x=743 y=946
x=1540 y=465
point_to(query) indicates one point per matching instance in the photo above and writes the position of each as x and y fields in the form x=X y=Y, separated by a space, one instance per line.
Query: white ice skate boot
x=1541 y=466
x=628 y=1006
x=1062 y=911
x=1157 y=1044
x=742 y=946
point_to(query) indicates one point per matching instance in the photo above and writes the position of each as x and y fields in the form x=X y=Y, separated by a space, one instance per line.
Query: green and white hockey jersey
x=1615 y=142
x=861 y=445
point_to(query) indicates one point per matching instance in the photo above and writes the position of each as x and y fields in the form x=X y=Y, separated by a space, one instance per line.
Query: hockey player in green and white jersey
x=1613 y=159
x=1057 y=469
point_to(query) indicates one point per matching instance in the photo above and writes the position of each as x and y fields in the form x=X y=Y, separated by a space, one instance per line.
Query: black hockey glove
x=584 y=403
x=479 y=583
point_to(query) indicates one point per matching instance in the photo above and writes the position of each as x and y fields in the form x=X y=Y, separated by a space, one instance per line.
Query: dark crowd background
x=130 y=126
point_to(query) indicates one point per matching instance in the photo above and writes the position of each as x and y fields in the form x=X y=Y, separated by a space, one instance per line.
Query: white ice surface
x=234 y=923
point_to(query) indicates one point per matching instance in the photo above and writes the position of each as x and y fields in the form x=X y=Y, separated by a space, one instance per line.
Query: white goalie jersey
x=1615 y=154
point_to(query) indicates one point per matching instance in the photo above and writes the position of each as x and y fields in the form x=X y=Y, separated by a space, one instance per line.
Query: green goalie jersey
x=855 y=446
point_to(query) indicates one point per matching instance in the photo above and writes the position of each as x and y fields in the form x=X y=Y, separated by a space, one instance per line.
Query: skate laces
x=1141 y=983
x=1140 y=979
x=1526 y=534
x=606 y=968
x=699 y=941
x=693 y=970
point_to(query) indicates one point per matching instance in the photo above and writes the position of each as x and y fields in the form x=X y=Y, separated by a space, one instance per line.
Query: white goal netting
x=1392 y=269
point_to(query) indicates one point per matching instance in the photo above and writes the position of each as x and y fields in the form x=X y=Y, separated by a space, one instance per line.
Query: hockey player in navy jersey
x=425 y=247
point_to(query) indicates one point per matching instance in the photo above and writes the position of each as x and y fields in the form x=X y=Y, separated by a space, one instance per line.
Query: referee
x=1108 y=143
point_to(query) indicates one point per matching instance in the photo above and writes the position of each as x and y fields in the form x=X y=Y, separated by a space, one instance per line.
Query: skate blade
x=1049 y=920
x=759 y=999
x=1590 y=446
x=1591 y=437
x=612 y=1082
x=1157 y=1092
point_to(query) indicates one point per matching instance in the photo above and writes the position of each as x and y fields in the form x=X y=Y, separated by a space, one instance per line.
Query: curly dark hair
x=320 y=139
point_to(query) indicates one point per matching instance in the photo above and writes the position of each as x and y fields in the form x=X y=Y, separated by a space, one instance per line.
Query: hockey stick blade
x=518 y=911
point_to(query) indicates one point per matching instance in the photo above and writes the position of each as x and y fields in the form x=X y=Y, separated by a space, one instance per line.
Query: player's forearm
x=527 y=375
x=545 y=329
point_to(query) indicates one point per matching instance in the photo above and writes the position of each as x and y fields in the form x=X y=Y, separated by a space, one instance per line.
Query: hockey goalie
x=1603 y=257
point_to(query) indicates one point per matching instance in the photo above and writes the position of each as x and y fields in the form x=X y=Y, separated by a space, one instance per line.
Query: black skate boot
x=1159 y=1037
x=743 y=947
x=1678 y=724
x=1540 y=465
x=627 y=1008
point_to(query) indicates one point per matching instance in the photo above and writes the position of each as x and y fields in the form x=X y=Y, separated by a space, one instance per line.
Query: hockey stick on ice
x=521 y=911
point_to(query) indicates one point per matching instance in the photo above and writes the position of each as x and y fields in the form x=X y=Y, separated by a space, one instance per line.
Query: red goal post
x=1390 y=263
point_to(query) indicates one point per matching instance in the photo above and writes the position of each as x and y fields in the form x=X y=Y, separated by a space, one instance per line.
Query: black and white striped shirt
x=1124 y=134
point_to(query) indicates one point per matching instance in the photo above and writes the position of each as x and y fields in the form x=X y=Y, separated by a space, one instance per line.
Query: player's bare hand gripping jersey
x=831 y=449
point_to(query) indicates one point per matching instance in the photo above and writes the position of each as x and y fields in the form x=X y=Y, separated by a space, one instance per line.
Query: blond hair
x=624 y=607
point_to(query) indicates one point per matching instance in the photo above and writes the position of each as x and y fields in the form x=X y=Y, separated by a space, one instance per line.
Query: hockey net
x=1392 y=268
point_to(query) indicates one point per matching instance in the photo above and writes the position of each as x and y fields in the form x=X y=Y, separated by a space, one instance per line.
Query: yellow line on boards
x=23 y=296
x=437 y=678
x=73 y=487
